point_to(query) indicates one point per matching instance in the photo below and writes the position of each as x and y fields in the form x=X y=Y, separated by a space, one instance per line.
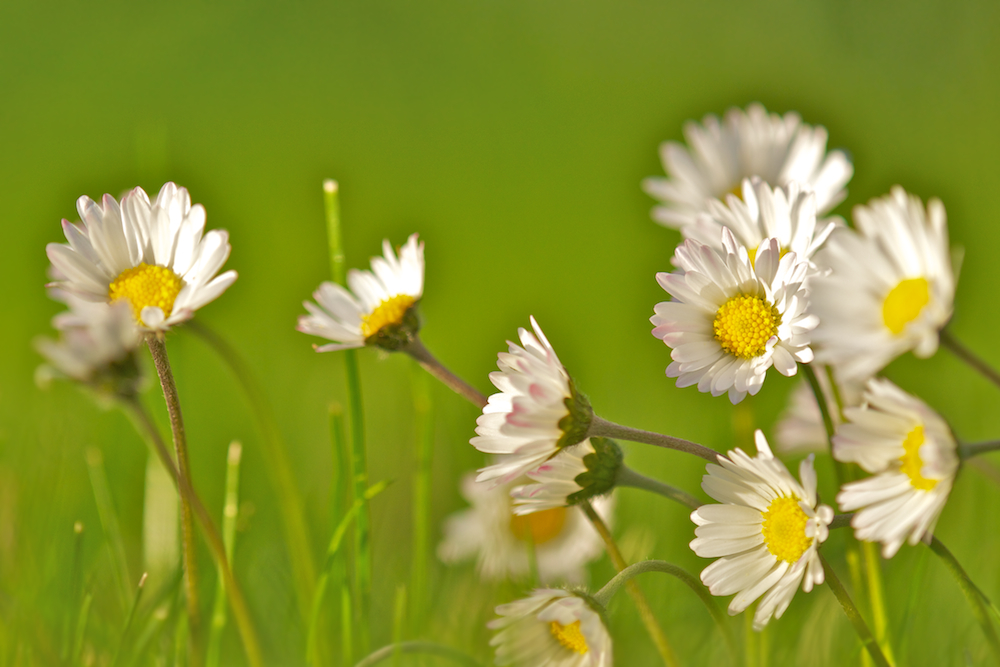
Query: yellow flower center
x=912 y=463
x=784 y=529
x=390 y=311
x=569 y=636
x=744 y=324
x=735 y=190
x=146 y=285
x=903 y=304
x=540 y=527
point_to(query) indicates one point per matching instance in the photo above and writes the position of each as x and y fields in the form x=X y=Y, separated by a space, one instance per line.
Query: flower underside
x=390 y=311
x=569 y=636
x=904 y=303
x=912 y=463
x=539 y=527
x=784 y=529
x=146 y=285
x=744 y=324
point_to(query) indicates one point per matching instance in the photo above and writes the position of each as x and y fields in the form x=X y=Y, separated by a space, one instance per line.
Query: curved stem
x=429 y=648
x=841 y=521
x=867 y=640
x=607 y=429
x=652 y=626
x=158 y=349
x=430 y=363
x=978 y=601
x=609 y=590
x=628 y=477
x=975 y=449
x=824 y=407
x=233 y=591
x=969 y=357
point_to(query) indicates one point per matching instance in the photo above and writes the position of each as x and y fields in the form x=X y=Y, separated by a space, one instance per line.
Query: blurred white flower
x=155 y=256
x=800 y=427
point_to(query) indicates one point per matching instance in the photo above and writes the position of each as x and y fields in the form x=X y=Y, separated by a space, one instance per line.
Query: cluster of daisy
x=764 y=276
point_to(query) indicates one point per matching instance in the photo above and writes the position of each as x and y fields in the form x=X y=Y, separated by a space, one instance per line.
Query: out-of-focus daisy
x=765 y=533
x=785 y=213
x=564 y=541
x=573 y=475
x=537 y=411
x=96 y=348
x=733 y=317
x=778 y=149
x=890 y=287
x=800 y=428
x=380 y=307
x=912 y=453
x=155 y=256
x=551 y=627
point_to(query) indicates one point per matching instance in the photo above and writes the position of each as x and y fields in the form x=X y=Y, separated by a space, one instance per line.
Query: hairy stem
x=978 y=602
x=628 y=477
x=430 y=363
x=607 y=429
x=853 y=615
x=970 y=357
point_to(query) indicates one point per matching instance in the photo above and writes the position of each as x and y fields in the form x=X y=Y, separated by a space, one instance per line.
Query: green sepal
x=394 y=337
x=121 y=379
x=576 y=424
x=603 y=465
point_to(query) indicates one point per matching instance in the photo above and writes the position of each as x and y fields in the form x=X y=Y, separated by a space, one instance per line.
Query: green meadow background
x=512 y=135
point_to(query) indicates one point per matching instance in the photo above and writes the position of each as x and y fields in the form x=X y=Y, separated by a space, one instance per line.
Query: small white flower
x=732 y=318
x=778 y=149
x=890 y=286
x=551 y=628
x=801 y=428
x=379 y=304
x=536 y=412
x=765 y=533
x=564 y=541
x=156 y=256
x=785 y=213
x=576 y=473
x=911 y=452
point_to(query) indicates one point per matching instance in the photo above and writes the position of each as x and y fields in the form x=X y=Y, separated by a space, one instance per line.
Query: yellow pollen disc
x=744 y=324
x=540 y=526
x=390 y=311
x=903 y=304
x=784 y=529
x=736 y=190
x=912 y=463
x=753 y=254
x=569 y=636
x=146 y=285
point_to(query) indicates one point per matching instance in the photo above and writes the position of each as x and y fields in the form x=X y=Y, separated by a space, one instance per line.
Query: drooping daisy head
x=890 y=286
x=96 y=348
x=551 y=627
x=489 y=532
x=575 y=474
x=733 y=317
x=155 y=256
x=765 y=533
x=786 y=213
x=537 y=411
x=720 y=154
x=911 y=452
x=380 y=307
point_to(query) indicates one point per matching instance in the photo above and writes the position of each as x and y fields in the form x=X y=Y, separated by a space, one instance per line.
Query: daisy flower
x=573 y=475
x=564 y=541
x=890 y=286
x=155 y=256
x=380 y=307
x=733 y=317
x=537 y=411
x=551 y=627
x=912 y=453
x=765 y=533
x=778 y=149
x=785 y=213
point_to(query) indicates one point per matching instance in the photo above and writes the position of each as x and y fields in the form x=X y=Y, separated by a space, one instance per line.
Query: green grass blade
x=423 y=455
x=399 y=620
x=109 y=522
x=229 y=514
x=130 y=619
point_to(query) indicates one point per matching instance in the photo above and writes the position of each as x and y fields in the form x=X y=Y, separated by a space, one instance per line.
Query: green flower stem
x=158 y=349
x=609 y=590
x=430 y=363
x=853 y=615
x=841 y=521
x=277 y=465
x=428 y=648
x=238 y=603
x=978 y=602
x=607 y=429
x=968 y=356
x=230 y=512
x=131 y=617
x=628 y=477
x=977 y=448
x=652 y=626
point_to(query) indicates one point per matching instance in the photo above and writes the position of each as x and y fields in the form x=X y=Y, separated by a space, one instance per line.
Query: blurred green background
x=512 y=135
